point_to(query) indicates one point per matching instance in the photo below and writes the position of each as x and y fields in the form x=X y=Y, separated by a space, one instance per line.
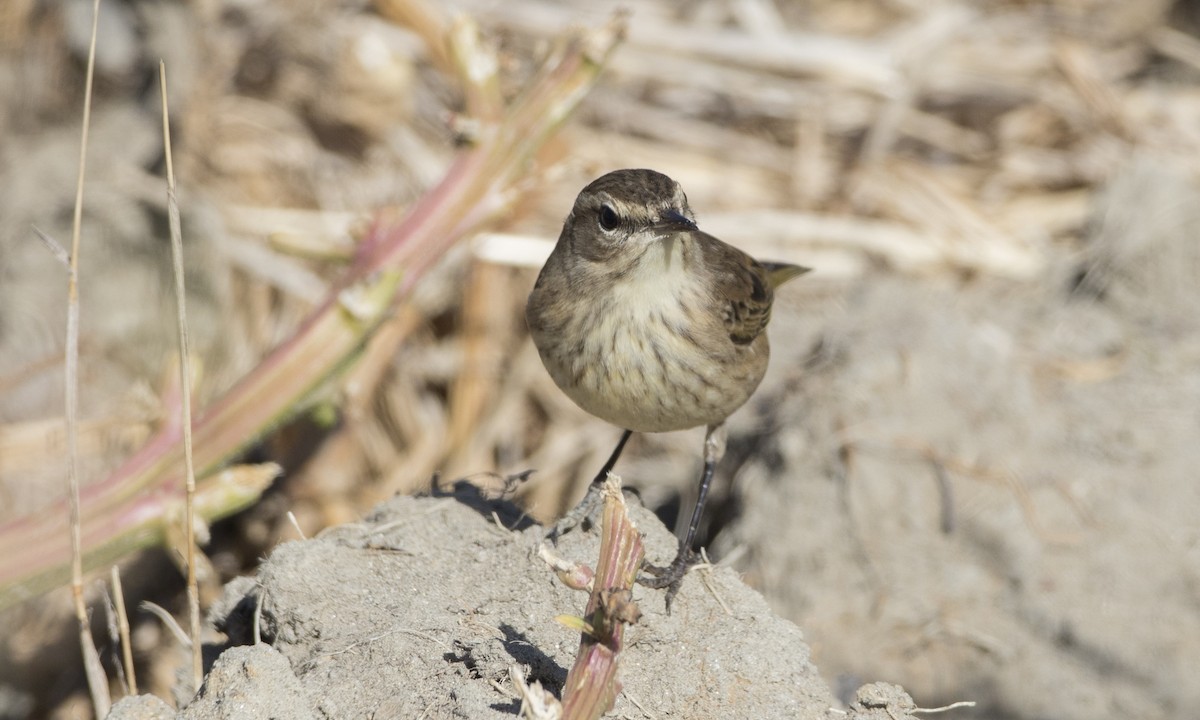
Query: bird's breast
x=649 y=352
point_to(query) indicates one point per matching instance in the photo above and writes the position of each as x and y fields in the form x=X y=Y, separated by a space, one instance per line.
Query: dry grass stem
x=97 y=680
x=291 y=516
x=256 y=634
x=168 y=622
x=944 y=708
x=123 y=628
x=185 y=382
x=705 y=569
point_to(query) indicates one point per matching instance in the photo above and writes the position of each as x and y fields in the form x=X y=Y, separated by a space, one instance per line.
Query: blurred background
x=971 y=468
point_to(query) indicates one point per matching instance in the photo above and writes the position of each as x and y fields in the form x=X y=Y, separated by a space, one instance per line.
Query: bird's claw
x=670 y=576
x=584 y=512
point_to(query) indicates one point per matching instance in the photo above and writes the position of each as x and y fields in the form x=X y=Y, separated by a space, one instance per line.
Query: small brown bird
x=647 y=322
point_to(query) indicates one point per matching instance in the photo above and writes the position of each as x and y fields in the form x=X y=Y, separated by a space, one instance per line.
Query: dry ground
x=971 y=467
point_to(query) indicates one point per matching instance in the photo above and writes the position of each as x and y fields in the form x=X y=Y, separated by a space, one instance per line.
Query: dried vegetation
x=900 y=137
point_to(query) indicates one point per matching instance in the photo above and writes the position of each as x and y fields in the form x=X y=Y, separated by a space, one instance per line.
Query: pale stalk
x=185 y=384
x=123 y=628
x=97 y=681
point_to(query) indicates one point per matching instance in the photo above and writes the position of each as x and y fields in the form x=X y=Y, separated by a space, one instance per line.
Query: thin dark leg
x=587 y=506
x=671 y=576
x=612 y=460
x=694 y=525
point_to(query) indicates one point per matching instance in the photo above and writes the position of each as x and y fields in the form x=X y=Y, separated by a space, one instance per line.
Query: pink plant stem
x=592 y=685
x=391 y=260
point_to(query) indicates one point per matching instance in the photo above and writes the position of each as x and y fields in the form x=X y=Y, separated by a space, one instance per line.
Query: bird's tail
x=779 y=273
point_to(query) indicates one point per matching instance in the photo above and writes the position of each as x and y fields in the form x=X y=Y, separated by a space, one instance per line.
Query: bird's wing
x=743 y=288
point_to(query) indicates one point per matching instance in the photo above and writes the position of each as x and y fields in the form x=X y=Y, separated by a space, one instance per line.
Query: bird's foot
x=669 y=576
x=585 y=513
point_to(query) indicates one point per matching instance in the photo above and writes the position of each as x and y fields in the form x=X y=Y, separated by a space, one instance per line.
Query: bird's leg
x=587 y=507
x=671 y=575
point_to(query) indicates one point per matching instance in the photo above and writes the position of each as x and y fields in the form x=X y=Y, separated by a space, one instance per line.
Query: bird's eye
x=609 y=220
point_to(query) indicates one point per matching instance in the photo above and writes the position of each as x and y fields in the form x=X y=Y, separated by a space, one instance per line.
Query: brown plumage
x=646 y=321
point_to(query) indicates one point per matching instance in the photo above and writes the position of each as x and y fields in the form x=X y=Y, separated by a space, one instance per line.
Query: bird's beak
x=672 y=222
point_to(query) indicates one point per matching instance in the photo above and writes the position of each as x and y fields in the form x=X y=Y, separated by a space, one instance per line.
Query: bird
x=652 y=325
